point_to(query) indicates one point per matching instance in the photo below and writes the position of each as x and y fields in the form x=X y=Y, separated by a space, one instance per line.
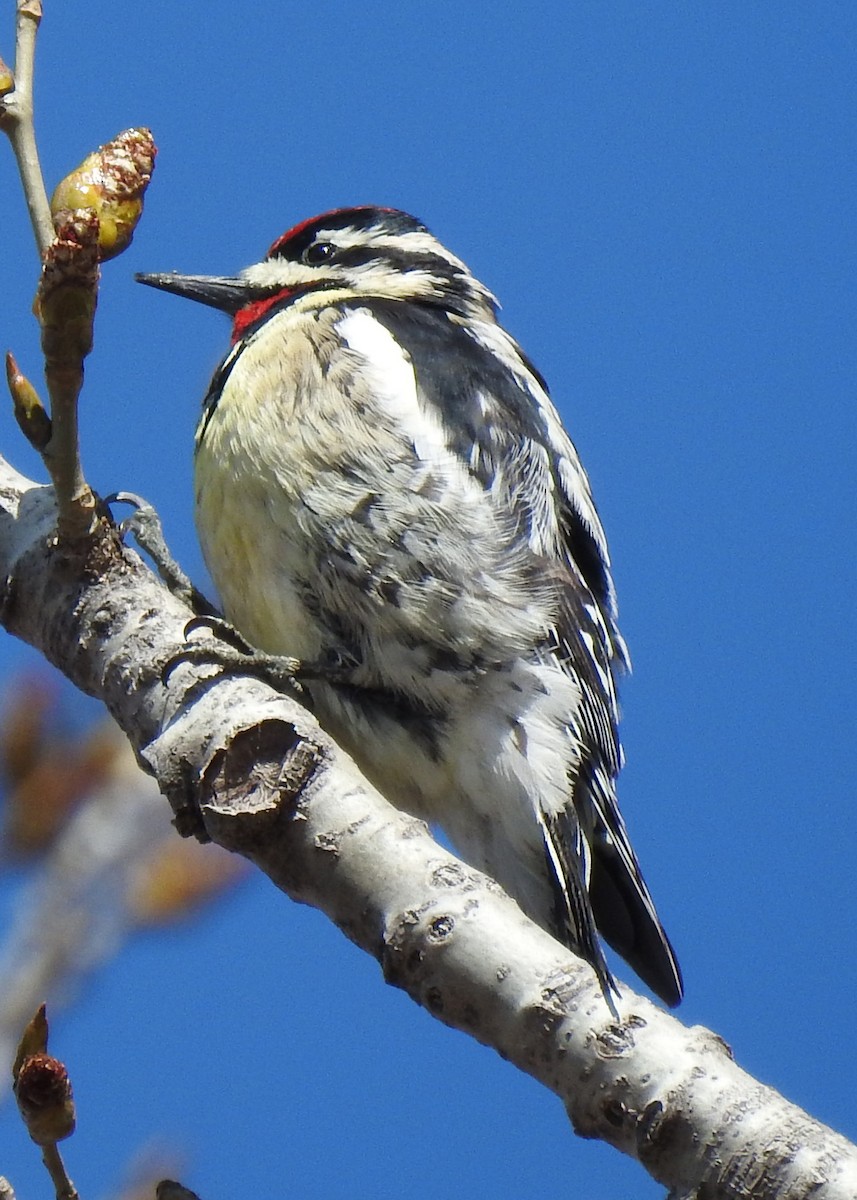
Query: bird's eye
x=317 y=253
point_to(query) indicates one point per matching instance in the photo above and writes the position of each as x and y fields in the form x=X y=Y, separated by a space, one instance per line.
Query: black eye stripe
x=307 y=250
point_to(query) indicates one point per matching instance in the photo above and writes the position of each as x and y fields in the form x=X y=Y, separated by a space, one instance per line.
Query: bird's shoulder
x=498 y=419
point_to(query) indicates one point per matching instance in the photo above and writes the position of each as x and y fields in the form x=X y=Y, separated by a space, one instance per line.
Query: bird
x=383 y=485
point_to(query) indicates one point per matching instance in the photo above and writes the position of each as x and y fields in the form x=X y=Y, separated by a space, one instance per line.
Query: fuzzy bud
x=7 y=80
x=168 y=1189
x=30 y=413
x=111 y=183
x=68 y=290
x=43 y=1092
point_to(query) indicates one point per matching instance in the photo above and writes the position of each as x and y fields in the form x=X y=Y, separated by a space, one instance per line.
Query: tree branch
x=250 y=769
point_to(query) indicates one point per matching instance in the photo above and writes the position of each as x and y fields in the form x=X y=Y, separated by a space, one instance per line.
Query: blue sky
x=662 y=196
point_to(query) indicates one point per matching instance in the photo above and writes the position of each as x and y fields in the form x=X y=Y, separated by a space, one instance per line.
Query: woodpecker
x=382 y=481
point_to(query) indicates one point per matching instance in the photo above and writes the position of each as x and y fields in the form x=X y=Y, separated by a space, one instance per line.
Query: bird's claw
x=144 y=525
x=232 y=654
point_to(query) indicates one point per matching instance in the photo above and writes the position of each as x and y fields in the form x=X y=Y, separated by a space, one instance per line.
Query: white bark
x=249 y=768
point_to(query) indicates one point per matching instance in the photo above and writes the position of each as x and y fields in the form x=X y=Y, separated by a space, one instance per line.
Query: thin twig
x=16 y=120
x=67 y=292
x=76 y=504
x=66 y=301
x=63 y=1186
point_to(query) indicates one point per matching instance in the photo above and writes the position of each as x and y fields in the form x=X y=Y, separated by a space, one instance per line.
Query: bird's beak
x=217 y=291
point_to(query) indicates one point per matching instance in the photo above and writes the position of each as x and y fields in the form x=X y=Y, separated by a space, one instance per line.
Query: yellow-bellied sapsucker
x=383 y=482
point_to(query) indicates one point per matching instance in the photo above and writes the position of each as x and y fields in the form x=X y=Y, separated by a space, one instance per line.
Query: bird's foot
x=232 y=654
x=145 y=526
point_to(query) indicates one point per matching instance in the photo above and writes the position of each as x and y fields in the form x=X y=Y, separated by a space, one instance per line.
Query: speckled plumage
x=383 y=482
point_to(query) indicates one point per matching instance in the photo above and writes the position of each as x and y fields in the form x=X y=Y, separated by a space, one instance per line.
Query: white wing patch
x=390 y=374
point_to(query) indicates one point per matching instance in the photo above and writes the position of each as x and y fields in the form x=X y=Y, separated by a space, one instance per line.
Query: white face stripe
x=414 y=241
x=277 y=273
x=374 y=278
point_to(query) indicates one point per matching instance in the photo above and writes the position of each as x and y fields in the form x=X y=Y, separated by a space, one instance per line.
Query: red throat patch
x=252 y=312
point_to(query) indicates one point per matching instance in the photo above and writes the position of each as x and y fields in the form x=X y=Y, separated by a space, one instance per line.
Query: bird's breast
x=333 y=513
x=276 y=448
